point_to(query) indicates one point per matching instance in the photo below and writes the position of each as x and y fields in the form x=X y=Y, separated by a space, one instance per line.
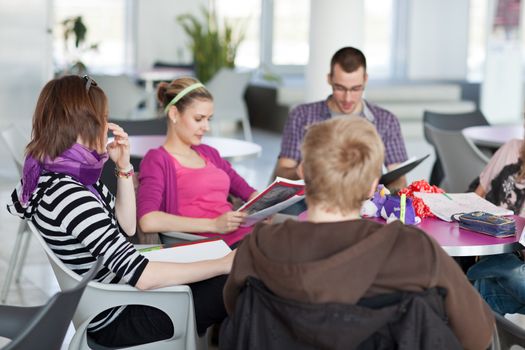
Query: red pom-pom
x=421 y=209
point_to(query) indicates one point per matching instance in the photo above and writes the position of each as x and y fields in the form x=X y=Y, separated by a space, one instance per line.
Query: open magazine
x=279 y=195
x=444 y=205
x=401 y=170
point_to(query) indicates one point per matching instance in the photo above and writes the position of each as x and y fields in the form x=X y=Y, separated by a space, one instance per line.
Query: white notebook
x=444 y=205
x=206 y=249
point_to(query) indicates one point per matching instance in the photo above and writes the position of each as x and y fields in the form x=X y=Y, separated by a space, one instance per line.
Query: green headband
x=181 y=94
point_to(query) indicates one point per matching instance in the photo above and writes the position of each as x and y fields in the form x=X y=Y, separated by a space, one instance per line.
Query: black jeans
x=140 y=324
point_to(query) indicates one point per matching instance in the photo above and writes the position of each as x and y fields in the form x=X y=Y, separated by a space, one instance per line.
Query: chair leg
x=25 y=248
x=247 y=129
x=13 y=260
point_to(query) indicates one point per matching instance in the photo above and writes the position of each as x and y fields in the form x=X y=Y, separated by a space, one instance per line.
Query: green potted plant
x=74 y=31
x=213 y=47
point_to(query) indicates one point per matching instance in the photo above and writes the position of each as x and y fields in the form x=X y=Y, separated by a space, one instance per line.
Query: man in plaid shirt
x=348 y=79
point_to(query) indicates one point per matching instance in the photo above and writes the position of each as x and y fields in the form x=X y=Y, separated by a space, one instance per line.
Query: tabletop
x=493 y=135
x=459 y=242
x=229 y=149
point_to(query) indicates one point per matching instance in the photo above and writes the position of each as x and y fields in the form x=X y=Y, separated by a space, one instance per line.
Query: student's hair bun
x=162 y=88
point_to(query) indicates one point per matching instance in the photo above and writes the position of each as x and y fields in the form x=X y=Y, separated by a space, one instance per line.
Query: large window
x=245 y=15
x=105 y=21
x=378 y=37
x=290 y=32
x=477 y=39
x=277 y=33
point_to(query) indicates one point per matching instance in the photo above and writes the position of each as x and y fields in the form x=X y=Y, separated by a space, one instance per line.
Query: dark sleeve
x=293 y=135
x=470 y=317
x=395 y=150
x=241 y=269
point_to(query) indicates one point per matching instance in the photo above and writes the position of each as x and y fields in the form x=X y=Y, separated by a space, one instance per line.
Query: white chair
x=124 y=96
x=227 y=88
x=175 y=301
x=16 y=143
x=462 y=160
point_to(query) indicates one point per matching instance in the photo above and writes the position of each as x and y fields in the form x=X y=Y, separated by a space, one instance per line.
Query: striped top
x=79 y=227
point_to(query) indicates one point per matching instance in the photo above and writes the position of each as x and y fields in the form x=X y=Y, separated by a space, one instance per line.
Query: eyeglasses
x=343 y=90
x=89 y=82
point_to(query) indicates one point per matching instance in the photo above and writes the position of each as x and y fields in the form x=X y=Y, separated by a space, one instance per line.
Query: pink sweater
x=158 y=180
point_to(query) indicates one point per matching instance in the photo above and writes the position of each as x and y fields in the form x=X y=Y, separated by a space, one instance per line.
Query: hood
x=26 y=210
x=15 y=206
x=309 y=256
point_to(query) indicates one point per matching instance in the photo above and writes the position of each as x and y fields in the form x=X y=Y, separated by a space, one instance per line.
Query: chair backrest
x=175 y=301
x=227 y=88
x=263 y=320
x=454 y=121
x=462 y=160
x=508 y=334
x=48 y=327
x=124 y=96
x=16 y=143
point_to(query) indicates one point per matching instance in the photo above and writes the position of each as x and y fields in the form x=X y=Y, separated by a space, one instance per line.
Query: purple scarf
x=79 y=162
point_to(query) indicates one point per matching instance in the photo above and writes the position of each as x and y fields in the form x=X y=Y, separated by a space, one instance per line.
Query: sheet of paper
x=445 y=205
x=254 y=218
x=189 y=252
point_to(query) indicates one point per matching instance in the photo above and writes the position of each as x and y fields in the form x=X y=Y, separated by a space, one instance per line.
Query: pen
x=403 y=204
x=446 y=195
x=144 y=250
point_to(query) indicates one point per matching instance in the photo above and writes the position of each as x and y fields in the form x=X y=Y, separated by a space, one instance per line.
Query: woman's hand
x=229 y=221
x=118 y=149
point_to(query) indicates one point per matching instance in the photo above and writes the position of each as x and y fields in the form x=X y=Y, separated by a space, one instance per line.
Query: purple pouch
x=392 y=210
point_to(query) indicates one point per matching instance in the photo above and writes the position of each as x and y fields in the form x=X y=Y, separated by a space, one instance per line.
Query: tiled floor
x=38 y=283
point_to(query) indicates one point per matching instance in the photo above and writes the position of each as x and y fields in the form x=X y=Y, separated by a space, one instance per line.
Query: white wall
x=438 y=39
x=25 y=57
x=158 y=35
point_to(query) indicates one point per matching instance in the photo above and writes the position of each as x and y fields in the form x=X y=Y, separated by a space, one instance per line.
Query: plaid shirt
x=303 y=115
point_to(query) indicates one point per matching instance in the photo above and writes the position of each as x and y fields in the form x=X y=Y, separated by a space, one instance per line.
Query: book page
x=278 y=191
x=444 y=205
x=188 y=252
x=279 y=195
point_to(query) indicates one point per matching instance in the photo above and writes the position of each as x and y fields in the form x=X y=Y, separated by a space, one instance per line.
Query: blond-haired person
x=337 y=257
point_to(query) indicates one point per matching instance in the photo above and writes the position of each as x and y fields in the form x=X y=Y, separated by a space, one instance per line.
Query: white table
x=230 y=149
x=493 y=135
x=150 y=76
